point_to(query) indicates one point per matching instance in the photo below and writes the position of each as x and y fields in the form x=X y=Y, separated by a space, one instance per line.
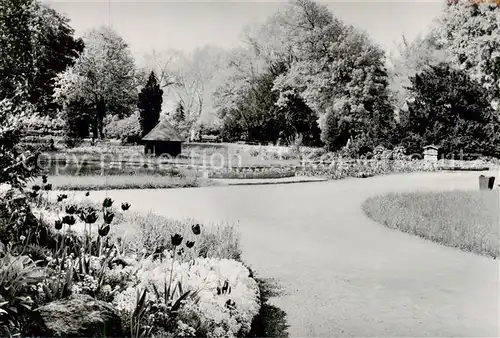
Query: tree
x=19 y=36
x=256 y=113
x=59 y=50
x=333 y=62
x=150 y=101
x=179 y=115
x=37 y=43
x=414 y=57
x=104 y=76
x=470 y=31
x=452 y=111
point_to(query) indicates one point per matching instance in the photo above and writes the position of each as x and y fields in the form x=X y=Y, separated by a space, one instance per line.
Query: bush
x=44 y=125
x=128 y=130
x=16 y=164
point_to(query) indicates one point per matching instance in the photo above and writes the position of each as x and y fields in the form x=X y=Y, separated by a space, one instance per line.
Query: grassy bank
x=460 y=219
x=124 y=182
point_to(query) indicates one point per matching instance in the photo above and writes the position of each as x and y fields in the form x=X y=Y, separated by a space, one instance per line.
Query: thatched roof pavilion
x=163 y=139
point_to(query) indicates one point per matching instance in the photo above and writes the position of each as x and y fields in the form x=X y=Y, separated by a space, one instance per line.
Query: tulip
x=196 y=229
x=89 y=215
x=104 y=230
x=108 y=217
x=36 y=188
x=47 y=187
x=68 y=241
x=58 y=225
x=71 y=209
x=125 y=206
x=87 y=194
x=107 y=203
x=44 y=179
x=69 y=220
x=176 y=239
x=189 y=244
x=59 y=198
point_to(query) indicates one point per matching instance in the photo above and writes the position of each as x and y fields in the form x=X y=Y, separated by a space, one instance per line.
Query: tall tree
x=19 y=36
x=335 y=63
x=104 y=76
x=37 y=44
x=150 y=101
x=452 y=111
x=413 y=58
x=59 y=50
x=470 y=32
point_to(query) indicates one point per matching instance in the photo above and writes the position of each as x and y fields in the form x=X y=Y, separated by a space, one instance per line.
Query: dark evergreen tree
x=179 y=114
x=452 y=111
x=150 y=101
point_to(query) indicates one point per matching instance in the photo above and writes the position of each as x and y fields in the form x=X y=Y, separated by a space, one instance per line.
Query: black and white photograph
x=238 y=168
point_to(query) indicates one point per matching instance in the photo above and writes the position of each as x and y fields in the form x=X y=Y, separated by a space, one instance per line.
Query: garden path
x=341 y=273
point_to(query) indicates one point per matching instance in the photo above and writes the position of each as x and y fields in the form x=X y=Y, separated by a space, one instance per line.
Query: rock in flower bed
x=175 y=284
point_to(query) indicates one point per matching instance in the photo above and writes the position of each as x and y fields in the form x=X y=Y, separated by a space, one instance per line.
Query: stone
x=76 y=316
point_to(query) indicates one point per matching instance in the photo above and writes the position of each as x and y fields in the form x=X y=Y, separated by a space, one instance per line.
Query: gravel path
x=343 y=274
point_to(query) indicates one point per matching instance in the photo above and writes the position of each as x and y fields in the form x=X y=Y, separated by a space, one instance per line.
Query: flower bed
x=138 y=270
x=367 y=168
x=253 y=172
x=226 y=298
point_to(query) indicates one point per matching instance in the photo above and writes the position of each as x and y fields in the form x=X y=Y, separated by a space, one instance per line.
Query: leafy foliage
x=103 y=78
x=470 y=32
x=256 y=115
x=37 y=43
x=19 y=35
x=452 y=111
x=58 y=51
x=128 y=130
x=16 y=165
x=18 y=275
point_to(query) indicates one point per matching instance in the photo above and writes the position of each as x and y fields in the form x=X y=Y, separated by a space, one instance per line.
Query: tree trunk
x=101 y=113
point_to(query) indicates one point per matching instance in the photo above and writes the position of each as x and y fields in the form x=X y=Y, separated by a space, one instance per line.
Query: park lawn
x=468 y=220
x=115 y=182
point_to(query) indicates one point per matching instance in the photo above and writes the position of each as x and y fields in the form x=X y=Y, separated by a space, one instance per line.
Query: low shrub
x=37 y=125
x=128 y=130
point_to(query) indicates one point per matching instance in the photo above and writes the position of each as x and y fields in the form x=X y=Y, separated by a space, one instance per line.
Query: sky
x=162 y=25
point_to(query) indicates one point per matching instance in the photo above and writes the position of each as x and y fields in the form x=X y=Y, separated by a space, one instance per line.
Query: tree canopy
x=103 y=76
x=37 y=44
x=450 y=110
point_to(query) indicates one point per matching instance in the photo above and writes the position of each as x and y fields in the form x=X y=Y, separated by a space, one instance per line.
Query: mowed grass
x=468 y=220
x=123 y=182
